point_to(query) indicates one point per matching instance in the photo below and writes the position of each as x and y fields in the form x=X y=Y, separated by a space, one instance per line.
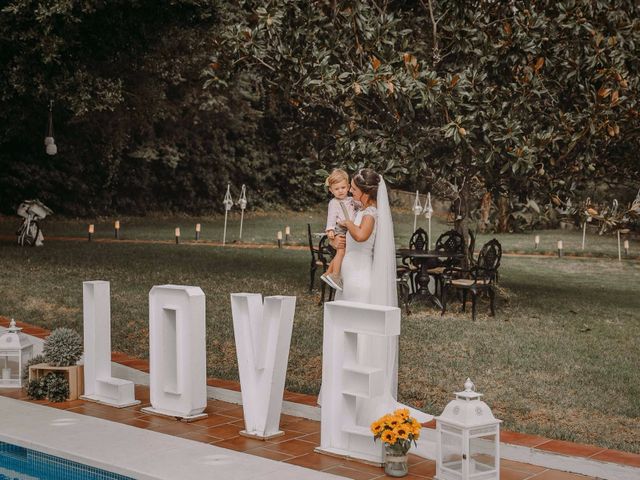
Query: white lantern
x=15 y=351
x=468 y=439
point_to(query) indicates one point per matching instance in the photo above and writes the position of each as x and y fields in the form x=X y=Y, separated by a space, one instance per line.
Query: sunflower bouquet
x=397 y=430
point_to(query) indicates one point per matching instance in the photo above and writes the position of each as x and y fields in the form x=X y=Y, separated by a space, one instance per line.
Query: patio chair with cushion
x=320 y=257
x=477 y=280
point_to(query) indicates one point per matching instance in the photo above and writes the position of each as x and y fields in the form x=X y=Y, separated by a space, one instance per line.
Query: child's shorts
x=338 y=230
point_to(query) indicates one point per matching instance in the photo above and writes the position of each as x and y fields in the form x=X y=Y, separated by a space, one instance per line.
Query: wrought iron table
x=426 y=259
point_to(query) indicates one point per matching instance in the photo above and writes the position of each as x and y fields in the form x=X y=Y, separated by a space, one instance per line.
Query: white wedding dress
x=358 y=262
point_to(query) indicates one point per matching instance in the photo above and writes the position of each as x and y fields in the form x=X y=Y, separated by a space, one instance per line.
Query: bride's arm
x=363 y=232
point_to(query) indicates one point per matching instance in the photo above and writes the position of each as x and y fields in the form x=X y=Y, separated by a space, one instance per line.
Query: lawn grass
x=561 y=359
x=262 y=227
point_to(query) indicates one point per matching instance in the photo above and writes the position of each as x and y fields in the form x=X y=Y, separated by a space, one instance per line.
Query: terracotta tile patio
x=225 y=421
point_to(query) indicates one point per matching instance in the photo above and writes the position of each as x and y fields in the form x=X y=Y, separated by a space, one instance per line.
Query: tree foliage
x=134 y=128
x=534 y=101
x=160 y=105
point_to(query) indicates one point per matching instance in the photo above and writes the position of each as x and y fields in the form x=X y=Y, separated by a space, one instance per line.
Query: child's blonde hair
x=336 y=176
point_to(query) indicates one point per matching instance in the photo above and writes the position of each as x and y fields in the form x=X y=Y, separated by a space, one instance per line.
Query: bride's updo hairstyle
x=367 y=180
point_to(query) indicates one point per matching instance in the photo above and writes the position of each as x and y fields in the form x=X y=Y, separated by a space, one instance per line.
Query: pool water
x=18 y=463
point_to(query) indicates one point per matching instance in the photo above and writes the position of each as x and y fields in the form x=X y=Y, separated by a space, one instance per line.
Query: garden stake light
x=116 y=228
x=584 y=224
x=279 y=237
x=536 y=241
x=560 y=246
x=417 y=210
x=177 y=235
x=242 y=202
x=626 y=248
x=91 y=230
x=228 y=203
x=197 y=232
x=287 y=232
x=619 y=253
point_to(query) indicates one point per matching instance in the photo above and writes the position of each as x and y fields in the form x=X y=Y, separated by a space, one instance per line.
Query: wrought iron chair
x=407 y=271
x=450 y=241
x=320 y=257
x=477 y=280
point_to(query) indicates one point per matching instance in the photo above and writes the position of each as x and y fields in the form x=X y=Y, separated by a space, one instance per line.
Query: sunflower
x=415 y=428
x=394 y=421
x=389 y=437
x=402 y=413
x=377 y=427
x=402 y=432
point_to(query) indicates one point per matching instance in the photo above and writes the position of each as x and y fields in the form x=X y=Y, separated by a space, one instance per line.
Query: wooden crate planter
x=74 y=375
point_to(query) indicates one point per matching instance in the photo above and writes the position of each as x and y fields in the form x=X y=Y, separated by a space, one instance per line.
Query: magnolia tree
x=529 y=102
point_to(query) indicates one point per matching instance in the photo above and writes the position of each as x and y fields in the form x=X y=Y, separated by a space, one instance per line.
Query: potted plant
x=58 y=378
x=396 y=430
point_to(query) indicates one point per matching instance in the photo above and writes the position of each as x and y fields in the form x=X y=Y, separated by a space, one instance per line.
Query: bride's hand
x=339 y=242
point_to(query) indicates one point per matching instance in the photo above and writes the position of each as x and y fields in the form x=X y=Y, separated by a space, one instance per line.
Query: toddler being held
x=341 y=208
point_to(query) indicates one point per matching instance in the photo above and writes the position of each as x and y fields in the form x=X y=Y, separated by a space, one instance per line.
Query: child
x=340 y=206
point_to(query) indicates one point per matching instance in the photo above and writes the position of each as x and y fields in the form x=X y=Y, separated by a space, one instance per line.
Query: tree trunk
x=485 y=210
x=504 y=210
x=461 y=221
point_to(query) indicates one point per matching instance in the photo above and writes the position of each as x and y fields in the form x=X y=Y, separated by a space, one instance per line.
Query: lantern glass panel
x=482 y=451
x=10 y=364
x=452 y=452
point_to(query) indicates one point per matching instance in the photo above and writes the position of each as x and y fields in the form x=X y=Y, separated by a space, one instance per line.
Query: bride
x=369 y=276
x=370 y=247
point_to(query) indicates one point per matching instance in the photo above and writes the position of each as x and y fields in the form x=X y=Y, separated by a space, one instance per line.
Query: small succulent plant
x=63 y=347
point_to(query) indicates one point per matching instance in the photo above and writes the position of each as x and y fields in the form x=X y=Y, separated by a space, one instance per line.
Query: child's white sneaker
x=336 y=280
x=325 y=278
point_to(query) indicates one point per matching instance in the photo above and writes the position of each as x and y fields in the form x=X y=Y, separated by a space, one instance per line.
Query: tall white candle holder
x=428 y=212
x=417 y=210
x=242 y=203
x=228 y=203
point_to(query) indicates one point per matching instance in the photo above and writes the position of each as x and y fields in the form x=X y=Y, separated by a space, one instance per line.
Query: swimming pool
x=18 y=463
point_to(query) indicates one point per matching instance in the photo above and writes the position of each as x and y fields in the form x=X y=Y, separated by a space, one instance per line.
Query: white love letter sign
x=359 y=377
x=99 y=385
x=177 y=352
x=263 y=336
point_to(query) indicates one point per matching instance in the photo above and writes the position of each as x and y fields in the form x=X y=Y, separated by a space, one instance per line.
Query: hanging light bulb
x=51 y=149
x=49 y=142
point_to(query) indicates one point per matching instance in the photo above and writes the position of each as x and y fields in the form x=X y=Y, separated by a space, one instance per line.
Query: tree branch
x=434 y=23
